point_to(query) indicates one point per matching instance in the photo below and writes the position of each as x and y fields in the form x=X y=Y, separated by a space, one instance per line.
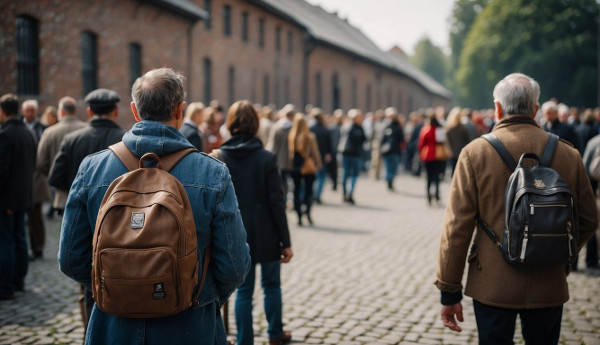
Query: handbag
x=441 y=152
x=308 y=167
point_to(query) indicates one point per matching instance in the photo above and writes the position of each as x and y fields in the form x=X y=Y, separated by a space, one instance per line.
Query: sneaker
x=285 y=337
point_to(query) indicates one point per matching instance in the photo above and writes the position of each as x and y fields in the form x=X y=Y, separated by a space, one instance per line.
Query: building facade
x=267 y=51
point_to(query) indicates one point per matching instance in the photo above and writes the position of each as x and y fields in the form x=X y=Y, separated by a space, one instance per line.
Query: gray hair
x=517 y=94
x=157 y=93
x=30 y=102
x=68 y=105
x=549 y=105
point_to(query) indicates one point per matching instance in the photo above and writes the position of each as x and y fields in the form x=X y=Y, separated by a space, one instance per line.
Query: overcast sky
x=396 y=22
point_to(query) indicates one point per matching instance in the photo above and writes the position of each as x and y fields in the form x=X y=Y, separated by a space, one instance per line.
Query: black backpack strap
x=549 y=150
x=502 y=151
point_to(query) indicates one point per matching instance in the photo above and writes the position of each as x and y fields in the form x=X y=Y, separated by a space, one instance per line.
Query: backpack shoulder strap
x=483 y=226
x=502 y=151
x=169 y=161
x=549 y=150
x=128 y=159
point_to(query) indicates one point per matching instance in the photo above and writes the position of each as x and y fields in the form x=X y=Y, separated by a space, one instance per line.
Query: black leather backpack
x=541 y=223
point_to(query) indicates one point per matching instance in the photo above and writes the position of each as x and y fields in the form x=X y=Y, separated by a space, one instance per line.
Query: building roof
x=331 y=30
x=184 y=8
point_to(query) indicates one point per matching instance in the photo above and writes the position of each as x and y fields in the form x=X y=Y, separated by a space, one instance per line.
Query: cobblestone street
x=362 y=274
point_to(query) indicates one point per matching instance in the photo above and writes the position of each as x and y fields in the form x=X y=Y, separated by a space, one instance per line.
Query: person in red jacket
x=431 y=136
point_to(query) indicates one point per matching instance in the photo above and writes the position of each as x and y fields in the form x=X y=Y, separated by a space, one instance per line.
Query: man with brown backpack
x=165 y=250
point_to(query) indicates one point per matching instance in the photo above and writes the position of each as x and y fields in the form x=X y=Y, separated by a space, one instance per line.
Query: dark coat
x=393 y=137
x=17 y=165
x=457 y=138
x=191 y=133
x=323 y=137
x=564 y=130
x=95 y=137
x=260 y=196
x=352 y=139
x=585 y=132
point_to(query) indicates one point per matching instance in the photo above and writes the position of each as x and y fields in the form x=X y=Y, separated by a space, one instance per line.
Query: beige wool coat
x=478 y=186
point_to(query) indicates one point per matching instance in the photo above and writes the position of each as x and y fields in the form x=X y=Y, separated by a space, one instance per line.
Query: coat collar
x=515 y=120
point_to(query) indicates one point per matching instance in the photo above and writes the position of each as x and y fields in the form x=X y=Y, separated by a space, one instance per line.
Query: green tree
x=431 y=59
x=554 y=41
x=464 y=13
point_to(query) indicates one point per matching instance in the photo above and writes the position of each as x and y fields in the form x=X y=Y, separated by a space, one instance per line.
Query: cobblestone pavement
x=362 y=274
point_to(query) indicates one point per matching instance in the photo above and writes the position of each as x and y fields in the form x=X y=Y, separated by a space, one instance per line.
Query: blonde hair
x=298 y=138
x=193 y=109
x=454 y=117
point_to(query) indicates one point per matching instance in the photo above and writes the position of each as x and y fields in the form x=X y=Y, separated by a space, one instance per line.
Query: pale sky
x=396 y=22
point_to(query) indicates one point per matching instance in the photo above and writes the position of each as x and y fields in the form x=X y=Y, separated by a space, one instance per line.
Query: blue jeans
x=391 y=162
x=271 y=285
x=14 y=259
x=320 y=179
x=352 y=166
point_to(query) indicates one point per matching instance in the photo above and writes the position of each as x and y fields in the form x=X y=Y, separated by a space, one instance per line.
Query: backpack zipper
x=525 y=240
x=534 y=206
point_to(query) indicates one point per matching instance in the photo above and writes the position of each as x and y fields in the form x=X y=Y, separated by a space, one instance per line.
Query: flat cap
x=102 y=101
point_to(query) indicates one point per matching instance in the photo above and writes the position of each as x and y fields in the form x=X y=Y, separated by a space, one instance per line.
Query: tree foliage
x=464 y=13
x=553 y=41
x=431 y=59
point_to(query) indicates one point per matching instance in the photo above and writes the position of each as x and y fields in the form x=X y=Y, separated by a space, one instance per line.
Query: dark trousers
x=37 y=230
x=497 y=325
x=13 y=252
x=86 y=304
x=303 y=183
x=434 y=170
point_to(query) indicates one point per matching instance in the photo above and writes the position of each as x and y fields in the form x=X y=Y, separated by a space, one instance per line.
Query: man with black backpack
x=162 y=246
x=511 y=275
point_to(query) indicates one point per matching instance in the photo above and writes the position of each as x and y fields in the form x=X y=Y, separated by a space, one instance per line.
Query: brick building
x=267 y=51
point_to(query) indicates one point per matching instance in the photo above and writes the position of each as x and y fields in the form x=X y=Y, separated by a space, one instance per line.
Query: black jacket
x=260 y=196
x=97 y=136
x=352 y=139
x=190 y=132
x=393 y=137
x=17 y=164
x=584 y=132
x=564 y=131
x=323 y=139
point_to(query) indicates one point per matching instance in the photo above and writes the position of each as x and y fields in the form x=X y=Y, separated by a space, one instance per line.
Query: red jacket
x=427 y=144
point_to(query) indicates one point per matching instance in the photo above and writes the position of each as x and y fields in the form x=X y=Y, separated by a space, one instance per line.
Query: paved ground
x=361 y=275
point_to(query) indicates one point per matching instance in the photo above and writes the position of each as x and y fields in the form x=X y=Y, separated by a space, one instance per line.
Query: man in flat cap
x=101 y=132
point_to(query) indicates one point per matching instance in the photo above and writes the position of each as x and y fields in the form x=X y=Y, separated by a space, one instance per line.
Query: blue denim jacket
x=218 y=222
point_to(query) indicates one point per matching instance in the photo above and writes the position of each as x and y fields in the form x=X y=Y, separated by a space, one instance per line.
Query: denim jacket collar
x=154 y=136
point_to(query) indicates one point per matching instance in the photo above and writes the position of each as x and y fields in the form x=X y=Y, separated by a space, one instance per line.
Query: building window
x=135 y=62
x=27 y=56
x=207 y=80
x=266 y=89
x=231 y=84
x=389 y=96
x=245 y=26
x=227 y=20
x=207 y=8
x=354 y=92
x=335 y=92
x=89 y=62
x=318 y=90
x=277 y=38
x=286 y=89
x=399 y=102
x=368 y=105
x=290 y=40
x=261 y=32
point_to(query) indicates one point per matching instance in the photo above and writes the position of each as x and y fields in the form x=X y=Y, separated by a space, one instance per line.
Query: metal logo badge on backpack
x=137 y=220
x=159 y=291
x=539 y=184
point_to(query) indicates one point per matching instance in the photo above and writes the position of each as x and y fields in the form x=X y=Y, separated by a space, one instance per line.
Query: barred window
x=135 y=62
x=89 y=62
x=27 y=56
x=231 y=84
x=207 y=8
x=266 y=89
x=261 y=32
x=227 y=20
x=278 y=38
x=336 y=91
x=245 y=26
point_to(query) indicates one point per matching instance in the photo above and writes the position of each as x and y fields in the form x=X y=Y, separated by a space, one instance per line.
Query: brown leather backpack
x=145 y=248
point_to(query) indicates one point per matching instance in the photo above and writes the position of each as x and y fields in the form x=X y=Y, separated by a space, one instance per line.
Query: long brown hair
x=298 y=138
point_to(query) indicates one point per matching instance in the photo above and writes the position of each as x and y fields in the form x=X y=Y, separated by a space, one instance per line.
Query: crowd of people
x=269 y=155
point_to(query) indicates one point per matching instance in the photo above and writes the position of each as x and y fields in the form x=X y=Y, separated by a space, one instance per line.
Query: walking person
x=390 y=146
x=323 y=136
x=457 y=135
x=17 y=165
x=194 y=117
x=261 y=201
x=501 y=291
x=430 y=141
x=306 y=161
x=352 y=139
x=158 y=103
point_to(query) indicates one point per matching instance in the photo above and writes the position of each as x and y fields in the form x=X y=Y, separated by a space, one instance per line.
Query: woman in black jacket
x=262 y=204
x=393 y=137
